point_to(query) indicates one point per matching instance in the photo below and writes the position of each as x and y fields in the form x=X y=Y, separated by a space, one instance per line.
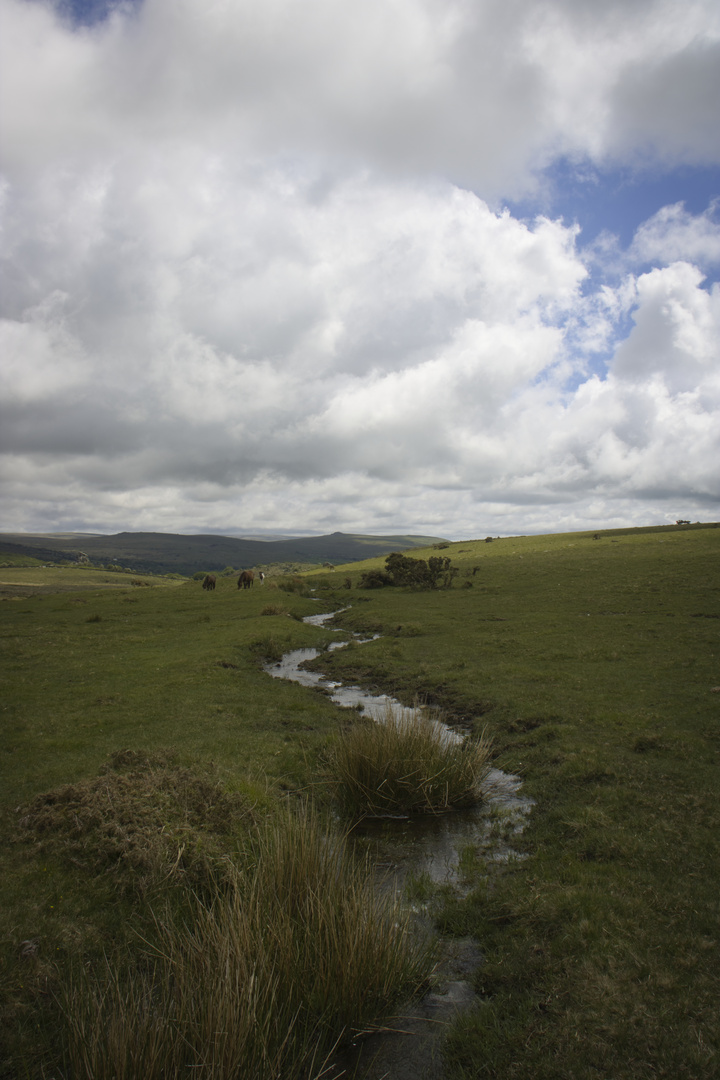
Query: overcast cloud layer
x=257 y=273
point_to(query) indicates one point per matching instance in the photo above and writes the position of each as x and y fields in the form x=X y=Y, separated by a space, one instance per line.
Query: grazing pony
x=246 y=579
x=209 y=582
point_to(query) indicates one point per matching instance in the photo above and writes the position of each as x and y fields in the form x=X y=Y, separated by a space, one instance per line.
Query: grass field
x=594 y=664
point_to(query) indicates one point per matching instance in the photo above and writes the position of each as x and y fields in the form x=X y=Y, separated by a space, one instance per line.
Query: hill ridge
x=187 y=553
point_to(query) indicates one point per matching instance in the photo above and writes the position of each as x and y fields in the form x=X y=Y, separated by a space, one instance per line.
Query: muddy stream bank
x=415 y=856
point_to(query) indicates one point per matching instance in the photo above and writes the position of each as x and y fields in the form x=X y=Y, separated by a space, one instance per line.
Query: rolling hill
x=163 y=553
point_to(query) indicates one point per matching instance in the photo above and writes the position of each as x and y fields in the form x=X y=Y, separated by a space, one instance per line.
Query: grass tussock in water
x=408 y=763
x=261 y=980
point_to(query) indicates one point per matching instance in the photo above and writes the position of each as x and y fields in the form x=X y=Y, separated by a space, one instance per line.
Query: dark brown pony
x=209 y=582
x=246 y=579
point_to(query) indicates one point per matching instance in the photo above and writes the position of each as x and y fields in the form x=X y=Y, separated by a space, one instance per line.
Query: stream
x=417 y=854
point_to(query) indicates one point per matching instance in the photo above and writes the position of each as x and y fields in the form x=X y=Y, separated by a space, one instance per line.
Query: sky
x=444 y=267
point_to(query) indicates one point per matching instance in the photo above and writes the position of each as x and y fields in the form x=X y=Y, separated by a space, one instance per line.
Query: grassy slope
x=595 y=666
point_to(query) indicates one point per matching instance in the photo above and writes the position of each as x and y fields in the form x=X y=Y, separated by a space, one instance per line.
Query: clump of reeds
x=259 y=982
x=407 y=762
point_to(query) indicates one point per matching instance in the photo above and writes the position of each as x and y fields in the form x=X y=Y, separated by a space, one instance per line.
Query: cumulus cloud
x=674 y=234
x=257 y=273
x=479 y=92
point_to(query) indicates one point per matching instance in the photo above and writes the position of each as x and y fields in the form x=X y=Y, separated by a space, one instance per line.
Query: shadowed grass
x=260 y=981
x=408 y=763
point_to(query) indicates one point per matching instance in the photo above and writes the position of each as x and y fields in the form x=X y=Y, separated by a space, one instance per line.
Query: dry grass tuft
x=146 y=820
x=274 y=609
x=407 y=763
x=261 y=980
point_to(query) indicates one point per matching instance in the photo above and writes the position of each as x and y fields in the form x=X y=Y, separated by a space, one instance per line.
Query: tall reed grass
x=261 y=982
x=408 y=762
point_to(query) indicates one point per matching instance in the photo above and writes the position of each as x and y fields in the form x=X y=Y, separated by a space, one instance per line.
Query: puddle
x=415 y=855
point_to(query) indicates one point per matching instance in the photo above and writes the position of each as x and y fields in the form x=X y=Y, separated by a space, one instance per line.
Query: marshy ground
x=594 y=666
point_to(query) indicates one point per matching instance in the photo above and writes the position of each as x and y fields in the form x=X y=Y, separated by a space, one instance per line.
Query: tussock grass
x=269 y=647
x=146 y=822
x=259 y=981
x=274 y=609
x=407 y=763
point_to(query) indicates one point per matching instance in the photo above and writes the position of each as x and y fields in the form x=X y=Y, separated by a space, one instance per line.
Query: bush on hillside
x=375 y=579
x=436 y=573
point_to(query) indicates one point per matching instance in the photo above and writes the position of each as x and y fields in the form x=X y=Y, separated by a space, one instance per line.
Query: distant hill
x=164 y=553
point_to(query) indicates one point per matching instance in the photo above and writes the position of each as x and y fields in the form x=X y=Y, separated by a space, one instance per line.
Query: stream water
x=413 y=855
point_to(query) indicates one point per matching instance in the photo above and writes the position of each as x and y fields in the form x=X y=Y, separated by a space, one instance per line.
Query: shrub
x=437 y=572
x=409 y=762
x=375 y=579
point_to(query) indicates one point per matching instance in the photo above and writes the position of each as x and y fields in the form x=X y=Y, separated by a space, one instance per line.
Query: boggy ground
x=595 y=667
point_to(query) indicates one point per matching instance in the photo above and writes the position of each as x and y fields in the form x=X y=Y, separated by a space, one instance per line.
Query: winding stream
x=421 y=851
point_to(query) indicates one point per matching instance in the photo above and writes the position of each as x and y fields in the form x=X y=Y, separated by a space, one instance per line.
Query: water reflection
x=427 y=846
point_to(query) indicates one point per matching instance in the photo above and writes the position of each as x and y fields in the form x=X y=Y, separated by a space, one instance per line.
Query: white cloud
x=481 y=92
x=674 y=233
x=244 y=285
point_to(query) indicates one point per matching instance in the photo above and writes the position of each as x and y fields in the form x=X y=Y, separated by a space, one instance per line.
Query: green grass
x=593 y=665
x=167 y=668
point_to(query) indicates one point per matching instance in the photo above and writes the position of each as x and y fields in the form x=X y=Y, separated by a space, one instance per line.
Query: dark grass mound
x=409 y=763
x=146 y=820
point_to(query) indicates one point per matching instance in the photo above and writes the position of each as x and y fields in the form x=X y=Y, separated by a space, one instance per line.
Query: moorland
x=591 y=662
x=164 y=553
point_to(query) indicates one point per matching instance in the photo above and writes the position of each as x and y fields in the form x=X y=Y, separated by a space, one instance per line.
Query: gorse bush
x=375 y=579
x=408 y=763
x=259 y=981
x=437 y=572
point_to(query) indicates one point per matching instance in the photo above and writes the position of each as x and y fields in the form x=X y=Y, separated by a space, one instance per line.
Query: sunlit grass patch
x=409 y=762
x=260 y=980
